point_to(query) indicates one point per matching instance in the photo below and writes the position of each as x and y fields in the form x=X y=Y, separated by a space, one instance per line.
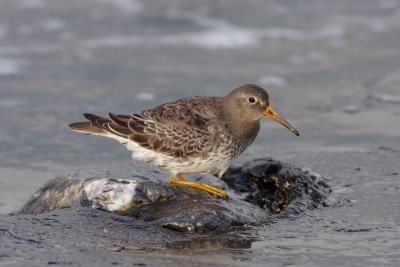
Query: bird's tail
x=94 y=125
x=112 y=126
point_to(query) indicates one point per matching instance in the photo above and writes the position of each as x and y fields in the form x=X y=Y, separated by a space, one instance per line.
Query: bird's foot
x=212 y=189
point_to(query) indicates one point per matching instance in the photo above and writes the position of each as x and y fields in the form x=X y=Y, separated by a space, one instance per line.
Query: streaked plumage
x=192 y=135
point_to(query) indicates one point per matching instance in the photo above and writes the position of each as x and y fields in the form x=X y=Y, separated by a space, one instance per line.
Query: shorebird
x=199 y=134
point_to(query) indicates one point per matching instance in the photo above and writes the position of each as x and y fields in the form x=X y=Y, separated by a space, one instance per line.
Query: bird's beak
x=271 y=113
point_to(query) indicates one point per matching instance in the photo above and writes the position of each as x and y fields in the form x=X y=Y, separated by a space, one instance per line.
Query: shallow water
x=332 y=69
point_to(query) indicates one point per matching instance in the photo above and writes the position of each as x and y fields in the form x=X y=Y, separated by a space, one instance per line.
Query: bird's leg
x=181 y=178
x=181 y=181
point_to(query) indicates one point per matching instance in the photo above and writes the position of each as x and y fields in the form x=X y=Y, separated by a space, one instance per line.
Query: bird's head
x=251 y=103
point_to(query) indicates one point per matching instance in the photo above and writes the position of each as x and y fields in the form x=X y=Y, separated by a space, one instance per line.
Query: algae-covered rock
x=276 y=186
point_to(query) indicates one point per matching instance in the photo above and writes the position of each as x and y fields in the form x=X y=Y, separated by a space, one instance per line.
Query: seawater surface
x=331 y=68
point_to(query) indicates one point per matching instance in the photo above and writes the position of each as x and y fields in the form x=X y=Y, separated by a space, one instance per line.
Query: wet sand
x=332 y=69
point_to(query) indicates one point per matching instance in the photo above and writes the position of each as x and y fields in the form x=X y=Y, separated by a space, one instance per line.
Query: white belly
x=214 y=163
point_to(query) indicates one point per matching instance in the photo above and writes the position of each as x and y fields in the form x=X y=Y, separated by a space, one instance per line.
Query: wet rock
x=156 y=203
x=278 y=187
x=144 y=197
x=136 y=190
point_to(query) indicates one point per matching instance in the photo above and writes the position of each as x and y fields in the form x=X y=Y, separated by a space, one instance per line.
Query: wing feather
x=178 y=129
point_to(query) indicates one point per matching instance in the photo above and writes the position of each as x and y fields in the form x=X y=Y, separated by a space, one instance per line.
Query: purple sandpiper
x=199 y=134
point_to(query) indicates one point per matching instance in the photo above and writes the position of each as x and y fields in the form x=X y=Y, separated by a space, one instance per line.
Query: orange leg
x=212 y=189
x=183 y=179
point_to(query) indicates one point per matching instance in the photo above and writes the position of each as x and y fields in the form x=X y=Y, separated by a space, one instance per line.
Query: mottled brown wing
x=178 y=132
x=183 y=128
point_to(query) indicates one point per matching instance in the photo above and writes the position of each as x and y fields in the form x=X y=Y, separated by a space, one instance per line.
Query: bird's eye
x=252 y=100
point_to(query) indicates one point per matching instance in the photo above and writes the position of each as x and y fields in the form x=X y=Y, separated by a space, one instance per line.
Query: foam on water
x=9 y=66
x=387 y=4
x=25 y=30
x=29 y=4
x=54 y=24
x=145 y=96
x=392 y=99
x=272 y=80
x=216 y=34
x=44 y=48
x=126 y=6
x=370 y=23
x=309 y=56
x=9 y=102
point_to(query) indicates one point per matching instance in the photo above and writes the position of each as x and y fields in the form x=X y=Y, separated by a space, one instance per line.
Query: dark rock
x=265 y=183
x=262 y=168
x=149 y=200
x=276 y=186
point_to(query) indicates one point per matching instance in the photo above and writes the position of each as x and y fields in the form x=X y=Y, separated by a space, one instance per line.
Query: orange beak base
x=272 y=114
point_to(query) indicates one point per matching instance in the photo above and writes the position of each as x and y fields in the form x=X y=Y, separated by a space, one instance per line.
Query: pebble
x=351 y=109
x=327 y=177
x=357 y=168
